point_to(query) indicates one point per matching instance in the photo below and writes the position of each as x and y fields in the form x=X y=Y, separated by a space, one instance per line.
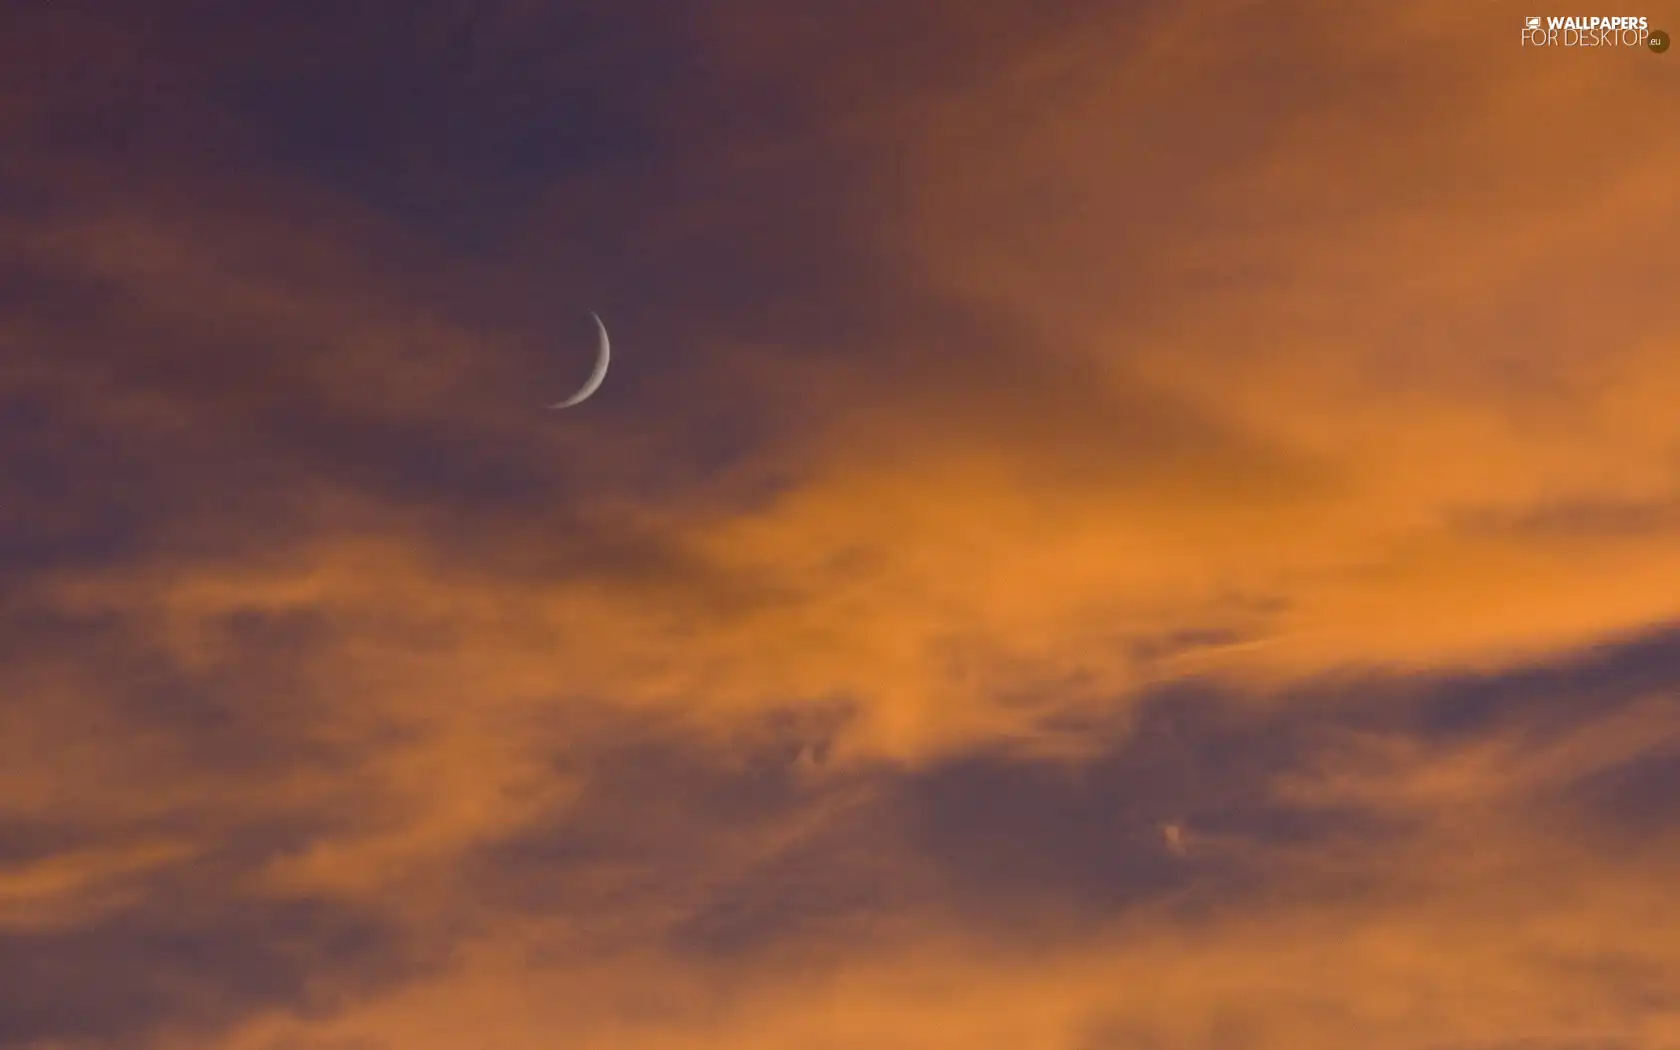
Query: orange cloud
x=1108 y=528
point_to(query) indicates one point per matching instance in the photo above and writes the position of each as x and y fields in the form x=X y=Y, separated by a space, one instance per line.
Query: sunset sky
x=1111 y=526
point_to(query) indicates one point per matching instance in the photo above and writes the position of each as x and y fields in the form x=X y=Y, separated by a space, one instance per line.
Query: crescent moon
x=602 y=357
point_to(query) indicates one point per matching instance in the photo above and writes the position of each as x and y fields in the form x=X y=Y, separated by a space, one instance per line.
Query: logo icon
x=1657 y=41
x=1534 y=22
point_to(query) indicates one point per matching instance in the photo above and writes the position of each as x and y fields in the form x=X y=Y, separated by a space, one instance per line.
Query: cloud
x=1125 y=527
x=886 y=906
x=183 y=965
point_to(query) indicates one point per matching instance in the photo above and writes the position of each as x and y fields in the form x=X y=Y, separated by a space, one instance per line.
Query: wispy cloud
x=1108 y=528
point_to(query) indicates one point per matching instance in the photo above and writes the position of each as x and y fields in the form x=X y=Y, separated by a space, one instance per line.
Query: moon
x=603 y=356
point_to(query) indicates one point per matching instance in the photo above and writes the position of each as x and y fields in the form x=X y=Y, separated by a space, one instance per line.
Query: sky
x=1110 y=526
